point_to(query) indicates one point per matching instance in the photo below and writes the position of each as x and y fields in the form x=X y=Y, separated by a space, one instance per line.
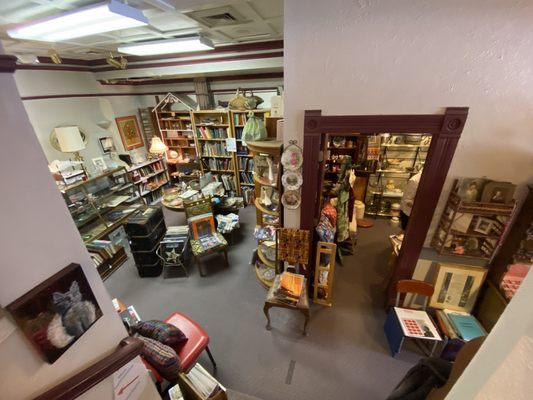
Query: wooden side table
x=302 y=305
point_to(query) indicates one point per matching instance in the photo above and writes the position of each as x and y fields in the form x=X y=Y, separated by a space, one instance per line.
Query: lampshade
x=157 y=146
x=69 y=139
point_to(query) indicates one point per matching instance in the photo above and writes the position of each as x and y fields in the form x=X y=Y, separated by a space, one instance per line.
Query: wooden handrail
x=127 y=350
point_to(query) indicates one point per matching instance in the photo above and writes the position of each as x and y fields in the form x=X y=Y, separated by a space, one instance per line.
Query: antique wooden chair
x=205 y=239
x=413 y=287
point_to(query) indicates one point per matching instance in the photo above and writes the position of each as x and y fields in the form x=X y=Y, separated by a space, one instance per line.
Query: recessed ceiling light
x=91 y=20
x=168 y=46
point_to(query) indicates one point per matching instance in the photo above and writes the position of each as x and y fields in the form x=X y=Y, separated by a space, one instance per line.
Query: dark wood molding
x=234 y=48
x=8 y=63
x=128 y=349
x=241 y=57
x=445 y=130
x=186 y=92
x=220 y=78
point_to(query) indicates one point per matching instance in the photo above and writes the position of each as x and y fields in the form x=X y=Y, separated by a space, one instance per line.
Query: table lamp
x=70 y=140
x=157 y=146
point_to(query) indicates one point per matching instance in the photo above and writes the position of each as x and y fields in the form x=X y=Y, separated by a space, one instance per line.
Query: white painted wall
x=37 y=239
x=418 y=56
x=86 y=112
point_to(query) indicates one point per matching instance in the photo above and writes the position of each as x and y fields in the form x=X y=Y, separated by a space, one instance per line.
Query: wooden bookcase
x=324 y=271
x=212 y=128
x=477 y=242
x=149 y=179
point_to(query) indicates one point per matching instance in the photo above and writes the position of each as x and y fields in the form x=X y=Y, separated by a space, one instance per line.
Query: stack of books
x=290 y=288
x=101 y=250
x=459 y=325
x=174 y=243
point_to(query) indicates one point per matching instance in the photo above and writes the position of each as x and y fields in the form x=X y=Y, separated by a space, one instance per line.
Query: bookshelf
x=149 y=179
x=211 y=129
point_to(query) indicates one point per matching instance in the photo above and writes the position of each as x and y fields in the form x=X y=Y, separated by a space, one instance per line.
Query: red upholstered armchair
x=197 y=342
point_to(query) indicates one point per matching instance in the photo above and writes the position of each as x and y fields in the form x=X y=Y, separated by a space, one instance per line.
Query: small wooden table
x=302 y=305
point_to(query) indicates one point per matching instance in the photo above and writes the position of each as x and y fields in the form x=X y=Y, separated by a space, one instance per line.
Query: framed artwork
x=469 y=189
x=498 y=192
x=201 y=227
x=107 y=144
x=99 y=164
x=54 y=314
x=129 y=132
x=457 y=287
x=483 y=225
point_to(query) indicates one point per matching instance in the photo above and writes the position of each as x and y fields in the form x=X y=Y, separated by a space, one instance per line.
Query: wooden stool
x=302 y=305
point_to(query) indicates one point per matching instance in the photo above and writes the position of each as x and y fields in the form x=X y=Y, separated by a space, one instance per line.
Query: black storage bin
x=150 y=270
x=146 y=257
x=150 y=241
x=144 y=222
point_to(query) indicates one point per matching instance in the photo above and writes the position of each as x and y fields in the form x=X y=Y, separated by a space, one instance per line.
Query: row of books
x=148 y=170
x=459 y=325
x=153 y=184
x=212 y=133
x=288 y=287
x=214 y=149
x=228 y=181
x=238 y=133
x=101 y=250
x=246 y=164
x=218 y=164
x=247 y=177
x=239 y=119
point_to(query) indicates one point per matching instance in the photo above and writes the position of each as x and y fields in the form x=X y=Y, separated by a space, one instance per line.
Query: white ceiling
x=261 y=20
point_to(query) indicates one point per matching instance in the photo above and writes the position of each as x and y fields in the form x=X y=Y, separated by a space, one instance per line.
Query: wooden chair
x=392 y=327
x=413 y=287
x=202 y=227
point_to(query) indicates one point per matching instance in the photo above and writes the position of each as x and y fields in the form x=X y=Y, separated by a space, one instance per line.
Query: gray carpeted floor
x=344 y=356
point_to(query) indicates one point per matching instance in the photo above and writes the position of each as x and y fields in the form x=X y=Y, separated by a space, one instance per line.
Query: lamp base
x=79 y=157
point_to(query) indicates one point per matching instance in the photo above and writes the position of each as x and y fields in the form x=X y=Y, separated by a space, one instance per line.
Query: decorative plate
x=292 y=158
x=339 y=141
x=291 y=180
x=291 y=199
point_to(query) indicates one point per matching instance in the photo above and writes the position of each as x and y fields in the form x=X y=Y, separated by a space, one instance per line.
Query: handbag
x=252 y=101
x=237 y=102
x=254 y=129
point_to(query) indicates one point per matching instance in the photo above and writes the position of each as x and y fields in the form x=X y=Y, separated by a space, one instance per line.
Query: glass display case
x=100 y=204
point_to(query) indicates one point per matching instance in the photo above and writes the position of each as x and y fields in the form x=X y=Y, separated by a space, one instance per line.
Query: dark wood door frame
x=445 y=130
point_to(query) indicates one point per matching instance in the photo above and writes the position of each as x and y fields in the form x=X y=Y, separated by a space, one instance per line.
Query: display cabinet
x=100 y=205
x=401 y=157
x=269 y=214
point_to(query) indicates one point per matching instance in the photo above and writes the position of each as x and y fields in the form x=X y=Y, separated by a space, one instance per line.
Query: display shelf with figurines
x=469 y=227
x=269 y=213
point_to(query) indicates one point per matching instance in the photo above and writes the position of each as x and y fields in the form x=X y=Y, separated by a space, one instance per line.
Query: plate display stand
x=267 y=186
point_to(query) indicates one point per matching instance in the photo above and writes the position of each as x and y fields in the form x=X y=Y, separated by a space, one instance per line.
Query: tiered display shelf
x=267 y=155
x=150 y=178
x=471 y=229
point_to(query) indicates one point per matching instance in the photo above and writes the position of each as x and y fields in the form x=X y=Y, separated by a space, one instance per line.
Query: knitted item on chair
x=161 y=331
x=162 y=358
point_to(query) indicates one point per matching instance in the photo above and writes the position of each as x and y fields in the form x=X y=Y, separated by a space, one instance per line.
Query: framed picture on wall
x=107 y=144
x=57 y=312
x=457 y=287
x=129 y=132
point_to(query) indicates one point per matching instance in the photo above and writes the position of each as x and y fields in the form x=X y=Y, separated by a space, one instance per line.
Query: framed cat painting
x=54 y=314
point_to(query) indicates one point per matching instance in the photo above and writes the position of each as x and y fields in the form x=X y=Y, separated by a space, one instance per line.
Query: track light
x=120 y=63
x=55 y=57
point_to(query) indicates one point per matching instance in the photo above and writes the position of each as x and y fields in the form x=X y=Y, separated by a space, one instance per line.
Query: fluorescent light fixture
x=98 y=18
x=168 y=46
